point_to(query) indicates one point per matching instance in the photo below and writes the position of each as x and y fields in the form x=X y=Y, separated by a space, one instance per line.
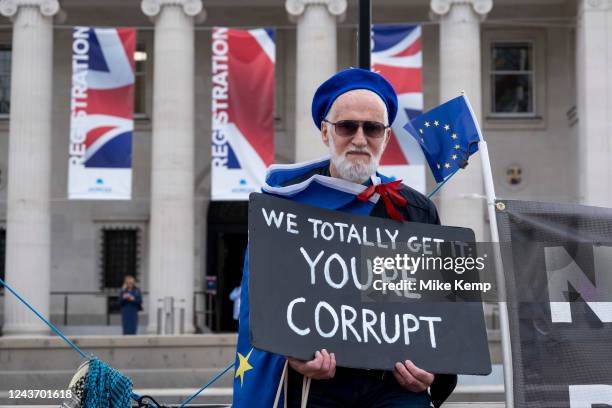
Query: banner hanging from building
x=397 y=55
x=557 y=263
x=102 y=107
x=242 y=111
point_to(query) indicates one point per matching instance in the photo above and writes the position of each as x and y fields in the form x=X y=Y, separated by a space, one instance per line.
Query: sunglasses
x=348 y=128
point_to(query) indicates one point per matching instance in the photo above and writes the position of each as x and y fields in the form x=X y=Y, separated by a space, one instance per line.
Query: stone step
x=134 y=352
x=477 y=394
x=228 y=405
x=463 y=397
x=178 y=364
x=446 y=405
x=143 y=378
x=211 y=397
x=169 y=368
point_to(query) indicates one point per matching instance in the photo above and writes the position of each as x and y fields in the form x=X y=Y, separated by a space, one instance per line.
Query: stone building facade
x=549 y=139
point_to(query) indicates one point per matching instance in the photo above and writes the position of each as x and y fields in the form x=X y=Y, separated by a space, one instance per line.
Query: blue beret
x=348 y=80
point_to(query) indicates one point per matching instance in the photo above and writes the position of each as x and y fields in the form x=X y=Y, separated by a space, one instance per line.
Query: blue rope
x=188 y=400
x=101 y=374
x=91 y=358
x=55 y=329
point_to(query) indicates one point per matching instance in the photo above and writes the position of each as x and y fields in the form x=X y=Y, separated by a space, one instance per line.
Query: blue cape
x=257 y=373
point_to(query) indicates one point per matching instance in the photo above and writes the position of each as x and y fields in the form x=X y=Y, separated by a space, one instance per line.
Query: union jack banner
x=397 y=55
x=242 y=111
x=102 y=106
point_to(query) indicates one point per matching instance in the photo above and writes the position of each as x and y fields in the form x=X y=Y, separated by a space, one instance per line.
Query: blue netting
x=106 y=387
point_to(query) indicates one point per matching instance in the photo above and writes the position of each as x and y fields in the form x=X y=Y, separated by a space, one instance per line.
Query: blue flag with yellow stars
x=448 y=135
x=257 y=373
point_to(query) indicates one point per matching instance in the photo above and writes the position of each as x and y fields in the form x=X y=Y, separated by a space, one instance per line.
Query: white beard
x=356 y=172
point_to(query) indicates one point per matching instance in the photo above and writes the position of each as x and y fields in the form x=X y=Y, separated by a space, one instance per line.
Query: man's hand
x=321 y=367
x=412 y=377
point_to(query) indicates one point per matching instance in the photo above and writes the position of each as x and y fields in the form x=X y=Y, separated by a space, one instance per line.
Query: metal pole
x=504 y=320
x=439 y=186
x=364 y=36
x=195 y=311
x=66 y=309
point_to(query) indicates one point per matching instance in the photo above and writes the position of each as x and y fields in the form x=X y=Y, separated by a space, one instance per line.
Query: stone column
x=594 y=101
x=316 y=61
x=460 y=201
x=171 y=265
x=28 y=226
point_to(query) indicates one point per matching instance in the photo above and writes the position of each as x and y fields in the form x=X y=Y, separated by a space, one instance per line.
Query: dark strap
x=441 y=388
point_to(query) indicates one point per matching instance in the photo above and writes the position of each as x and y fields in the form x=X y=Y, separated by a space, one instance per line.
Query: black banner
x=327 y=279
x=558 y=268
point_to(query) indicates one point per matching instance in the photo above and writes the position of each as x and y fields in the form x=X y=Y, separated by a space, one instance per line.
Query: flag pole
x=499 y=268
x=365 y=33
x=439 y=186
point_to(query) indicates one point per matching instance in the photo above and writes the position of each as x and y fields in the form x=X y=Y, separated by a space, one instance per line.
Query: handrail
x=104 y=293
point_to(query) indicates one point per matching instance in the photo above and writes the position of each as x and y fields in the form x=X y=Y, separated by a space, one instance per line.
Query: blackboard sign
x=327 y=279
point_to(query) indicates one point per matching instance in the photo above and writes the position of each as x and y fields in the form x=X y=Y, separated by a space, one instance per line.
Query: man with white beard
x=355 y=152
x=353 y=110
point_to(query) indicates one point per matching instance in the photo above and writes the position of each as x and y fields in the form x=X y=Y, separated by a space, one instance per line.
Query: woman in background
x=130 y=301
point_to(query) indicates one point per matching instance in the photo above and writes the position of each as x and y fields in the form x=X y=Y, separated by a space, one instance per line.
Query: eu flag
x=448 y=135
x=256 y=373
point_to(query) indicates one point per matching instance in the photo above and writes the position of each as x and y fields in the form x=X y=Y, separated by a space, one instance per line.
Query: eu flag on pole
x=448 y=135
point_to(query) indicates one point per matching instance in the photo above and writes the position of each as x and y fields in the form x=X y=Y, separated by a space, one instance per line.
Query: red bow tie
x=389 y=194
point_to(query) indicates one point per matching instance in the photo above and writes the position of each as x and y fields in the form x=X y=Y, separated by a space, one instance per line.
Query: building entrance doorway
x=227 y=241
